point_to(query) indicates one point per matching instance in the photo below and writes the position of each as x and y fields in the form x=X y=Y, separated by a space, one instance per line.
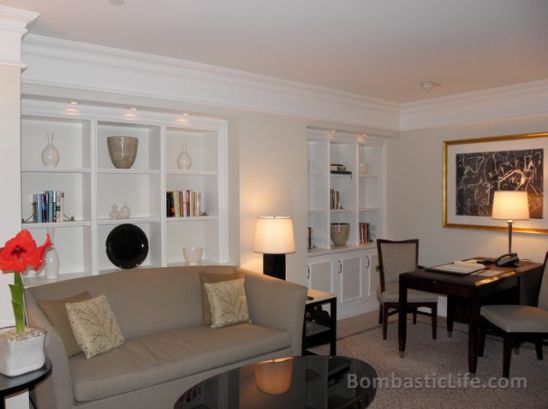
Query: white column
x=13 y=23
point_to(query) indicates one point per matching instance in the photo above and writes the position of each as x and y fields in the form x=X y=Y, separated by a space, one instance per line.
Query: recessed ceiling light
x=73 y=102
x=426 y=86
x=133 y=109
x=186 y=114
x=117 y=2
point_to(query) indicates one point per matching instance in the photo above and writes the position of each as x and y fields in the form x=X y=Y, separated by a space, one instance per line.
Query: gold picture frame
x=474 y=168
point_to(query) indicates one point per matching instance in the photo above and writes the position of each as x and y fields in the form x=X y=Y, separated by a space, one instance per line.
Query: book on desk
x=460 y=267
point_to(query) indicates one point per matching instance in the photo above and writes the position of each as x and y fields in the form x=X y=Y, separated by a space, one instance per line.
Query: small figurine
x=125 y=211
x=114 y=213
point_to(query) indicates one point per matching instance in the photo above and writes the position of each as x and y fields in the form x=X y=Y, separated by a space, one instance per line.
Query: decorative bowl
x=339 y=233
x=192 y=254
x=122 y=150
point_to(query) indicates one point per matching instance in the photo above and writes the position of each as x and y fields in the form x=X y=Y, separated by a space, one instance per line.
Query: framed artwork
x=473 y=169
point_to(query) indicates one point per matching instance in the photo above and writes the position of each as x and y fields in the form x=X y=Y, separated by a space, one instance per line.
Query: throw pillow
x=56 y=313
x=94 y=326
x=213 y=278
x=228 y=302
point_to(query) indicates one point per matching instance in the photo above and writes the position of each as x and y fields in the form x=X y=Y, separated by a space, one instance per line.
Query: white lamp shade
x=274 y=235
x=510 y=205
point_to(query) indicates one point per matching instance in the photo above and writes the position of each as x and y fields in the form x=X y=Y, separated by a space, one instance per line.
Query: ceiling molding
x=13 y=26
x=527 y=99
x=55 y=62
x=87 y=67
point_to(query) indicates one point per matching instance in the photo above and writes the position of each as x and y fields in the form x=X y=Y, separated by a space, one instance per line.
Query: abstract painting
x=473 y=169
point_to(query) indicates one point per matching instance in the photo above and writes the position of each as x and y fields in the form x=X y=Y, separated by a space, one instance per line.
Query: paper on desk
x=488 y=273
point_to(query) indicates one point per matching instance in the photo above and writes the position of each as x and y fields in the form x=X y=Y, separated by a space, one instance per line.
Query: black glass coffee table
x=306 y=382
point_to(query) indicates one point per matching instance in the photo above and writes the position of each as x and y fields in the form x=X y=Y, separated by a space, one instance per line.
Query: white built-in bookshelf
x=361 y=193
x=91 y=184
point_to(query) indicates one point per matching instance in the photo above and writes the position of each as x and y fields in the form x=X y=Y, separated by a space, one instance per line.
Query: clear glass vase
x=50 y=154
x=184 y=160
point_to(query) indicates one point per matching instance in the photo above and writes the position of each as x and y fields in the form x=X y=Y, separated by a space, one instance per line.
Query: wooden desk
x=473 y=290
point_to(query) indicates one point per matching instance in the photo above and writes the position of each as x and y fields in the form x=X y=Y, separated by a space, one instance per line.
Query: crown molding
x=68 y=64
x=521 y=100
x=13 y=26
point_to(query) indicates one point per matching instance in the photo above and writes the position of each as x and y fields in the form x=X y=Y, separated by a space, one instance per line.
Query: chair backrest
x=543 y=294
x=395 y=258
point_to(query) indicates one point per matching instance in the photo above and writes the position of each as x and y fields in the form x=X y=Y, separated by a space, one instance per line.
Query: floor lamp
x=510 y=206
x=274 y=238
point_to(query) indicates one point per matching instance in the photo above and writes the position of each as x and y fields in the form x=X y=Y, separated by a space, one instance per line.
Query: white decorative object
x=51 y=259
x=22 y=353
x=114 y=213
x=192 y=254
x=125 y=211
x=50 y=154
x=184 y=160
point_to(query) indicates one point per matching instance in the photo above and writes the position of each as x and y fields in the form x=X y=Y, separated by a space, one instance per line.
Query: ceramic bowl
x=192 y=254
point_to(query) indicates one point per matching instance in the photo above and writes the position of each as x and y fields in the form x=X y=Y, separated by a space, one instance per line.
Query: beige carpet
x=440 y=359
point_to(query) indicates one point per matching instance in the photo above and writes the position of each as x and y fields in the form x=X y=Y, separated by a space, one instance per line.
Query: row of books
x=47 y=207
x=335 y=199
x=365 y=233
x=184 y=203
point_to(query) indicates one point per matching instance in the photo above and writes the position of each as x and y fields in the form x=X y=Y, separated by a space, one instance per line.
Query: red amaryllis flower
x=21 y=252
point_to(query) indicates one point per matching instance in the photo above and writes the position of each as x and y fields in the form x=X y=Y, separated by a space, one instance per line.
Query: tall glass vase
x=184 y=160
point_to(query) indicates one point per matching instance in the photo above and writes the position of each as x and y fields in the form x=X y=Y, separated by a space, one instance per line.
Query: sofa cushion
x=165 y=356
x=213 y=278
x=56 y=312
x=94 y=326
x=228 y=303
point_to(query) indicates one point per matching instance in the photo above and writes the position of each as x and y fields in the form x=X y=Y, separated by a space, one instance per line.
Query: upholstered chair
x=395 y=258
x=517 y=323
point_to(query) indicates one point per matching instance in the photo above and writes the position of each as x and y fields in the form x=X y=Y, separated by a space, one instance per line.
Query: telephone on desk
x=507 y=260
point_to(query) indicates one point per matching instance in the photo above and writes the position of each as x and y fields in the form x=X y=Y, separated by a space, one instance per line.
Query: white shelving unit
x=349 y=271
x=92 y=184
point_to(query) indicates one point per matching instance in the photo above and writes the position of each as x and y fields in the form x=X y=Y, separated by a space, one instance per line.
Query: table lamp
x=510 y=206
x=274 y=238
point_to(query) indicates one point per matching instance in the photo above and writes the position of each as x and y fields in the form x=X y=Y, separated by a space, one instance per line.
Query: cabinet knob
x=308 y=272
x=340 y=266
x=368 y=262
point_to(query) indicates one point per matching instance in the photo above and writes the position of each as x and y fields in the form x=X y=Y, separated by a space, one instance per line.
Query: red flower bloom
x=21 y=252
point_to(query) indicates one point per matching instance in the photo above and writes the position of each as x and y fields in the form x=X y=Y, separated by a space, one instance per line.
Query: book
x=461 y=268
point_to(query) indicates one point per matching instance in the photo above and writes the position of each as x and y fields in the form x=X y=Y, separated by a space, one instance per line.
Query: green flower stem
x=17 y=302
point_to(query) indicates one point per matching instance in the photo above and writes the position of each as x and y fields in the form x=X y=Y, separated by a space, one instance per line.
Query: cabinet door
x=351 y=269
x=320 y=275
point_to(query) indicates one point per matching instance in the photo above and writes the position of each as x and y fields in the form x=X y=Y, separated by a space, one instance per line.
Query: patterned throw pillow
x=228 y=303
x=94 y=326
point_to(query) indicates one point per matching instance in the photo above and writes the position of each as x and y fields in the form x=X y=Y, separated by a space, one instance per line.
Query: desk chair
x=395 y=258
x=517 y=323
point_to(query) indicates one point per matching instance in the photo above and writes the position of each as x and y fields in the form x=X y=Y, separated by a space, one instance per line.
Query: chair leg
x=538 y=347
x=384 y=321
x=506 y=356
x=415 y=315
x=434 y=310
x=481 y=335
x=380 y=314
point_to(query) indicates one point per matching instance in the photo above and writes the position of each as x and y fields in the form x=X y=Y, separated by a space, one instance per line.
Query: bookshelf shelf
x=91 y=184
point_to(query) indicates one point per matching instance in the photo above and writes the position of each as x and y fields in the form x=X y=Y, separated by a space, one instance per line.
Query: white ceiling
x=378 y=48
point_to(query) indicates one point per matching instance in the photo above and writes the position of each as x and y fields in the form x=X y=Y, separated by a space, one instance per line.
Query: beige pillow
x=56 y=313
x=94 y=326
x=228 y=302
x=213 y=278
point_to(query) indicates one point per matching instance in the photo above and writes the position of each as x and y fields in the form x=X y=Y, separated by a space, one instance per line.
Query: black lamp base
x=274 y=265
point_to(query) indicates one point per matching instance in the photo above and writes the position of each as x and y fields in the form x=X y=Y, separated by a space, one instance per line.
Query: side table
x=315 y=333
x=14 y=384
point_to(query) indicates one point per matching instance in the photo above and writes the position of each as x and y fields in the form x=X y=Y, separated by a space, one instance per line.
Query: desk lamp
x=510 y=206
x=274 y=238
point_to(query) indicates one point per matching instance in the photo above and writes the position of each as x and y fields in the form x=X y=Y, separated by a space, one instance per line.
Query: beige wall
x=272 y=182
x=415 y=195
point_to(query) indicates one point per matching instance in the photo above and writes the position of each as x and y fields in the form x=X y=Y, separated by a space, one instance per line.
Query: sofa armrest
x=278 y=304
x=56 y=391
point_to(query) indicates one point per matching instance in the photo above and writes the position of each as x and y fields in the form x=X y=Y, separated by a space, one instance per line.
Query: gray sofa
x=167 y=348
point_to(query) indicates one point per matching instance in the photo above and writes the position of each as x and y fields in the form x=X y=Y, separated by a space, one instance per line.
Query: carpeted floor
x=444 y=362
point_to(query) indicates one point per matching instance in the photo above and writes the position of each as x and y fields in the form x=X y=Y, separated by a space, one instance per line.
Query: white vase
x=125 y=211
x=50 y=154
x=184 y=160
x=51 y=263
x=23 y=353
